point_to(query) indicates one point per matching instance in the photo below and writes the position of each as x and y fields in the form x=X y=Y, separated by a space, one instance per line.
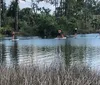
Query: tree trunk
x=0 y=13
x=16 y=16
x=3 y=13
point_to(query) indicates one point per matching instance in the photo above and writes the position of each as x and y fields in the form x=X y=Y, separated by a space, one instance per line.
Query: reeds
x=51 y=76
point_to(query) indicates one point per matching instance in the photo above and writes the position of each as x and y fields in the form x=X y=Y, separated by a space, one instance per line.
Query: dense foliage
x=68 y=15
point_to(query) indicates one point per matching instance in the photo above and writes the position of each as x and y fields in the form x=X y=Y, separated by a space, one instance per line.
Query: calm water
x=84 y=49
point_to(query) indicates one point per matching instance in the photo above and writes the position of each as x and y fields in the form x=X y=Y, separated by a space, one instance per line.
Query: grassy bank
x=51 y=76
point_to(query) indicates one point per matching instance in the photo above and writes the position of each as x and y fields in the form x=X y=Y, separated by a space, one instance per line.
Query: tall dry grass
x=34 y=76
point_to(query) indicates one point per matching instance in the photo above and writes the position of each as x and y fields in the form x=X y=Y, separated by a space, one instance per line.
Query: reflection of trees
x=14 y=53
x=2 y=53
x=74 y=53
x=68 y=51
x=82 y=52
x=60 y=55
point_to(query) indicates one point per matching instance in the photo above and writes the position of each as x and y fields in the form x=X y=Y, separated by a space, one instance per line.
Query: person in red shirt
x=60 y=34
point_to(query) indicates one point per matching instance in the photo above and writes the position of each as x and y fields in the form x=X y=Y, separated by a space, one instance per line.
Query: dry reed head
x=51 y=76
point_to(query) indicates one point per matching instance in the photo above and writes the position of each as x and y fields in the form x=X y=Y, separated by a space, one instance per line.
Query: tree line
x=36 y=21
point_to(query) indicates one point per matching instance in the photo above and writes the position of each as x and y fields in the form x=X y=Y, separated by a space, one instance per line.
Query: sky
x=24 y=4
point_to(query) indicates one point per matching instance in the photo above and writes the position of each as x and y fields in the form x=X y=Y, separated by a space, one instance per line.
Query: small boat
x=60 y=38
x=15 y=39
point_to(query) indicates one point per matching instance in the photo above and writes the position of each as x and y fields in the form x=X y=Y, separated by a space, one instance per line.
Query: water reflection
x=44 y=53
x=14 y=53
x=2 y=54
x=51 y=52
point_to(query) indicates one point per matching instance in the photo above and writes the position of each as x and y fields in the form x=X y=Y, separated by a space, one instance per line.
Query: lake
x=82 y=49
